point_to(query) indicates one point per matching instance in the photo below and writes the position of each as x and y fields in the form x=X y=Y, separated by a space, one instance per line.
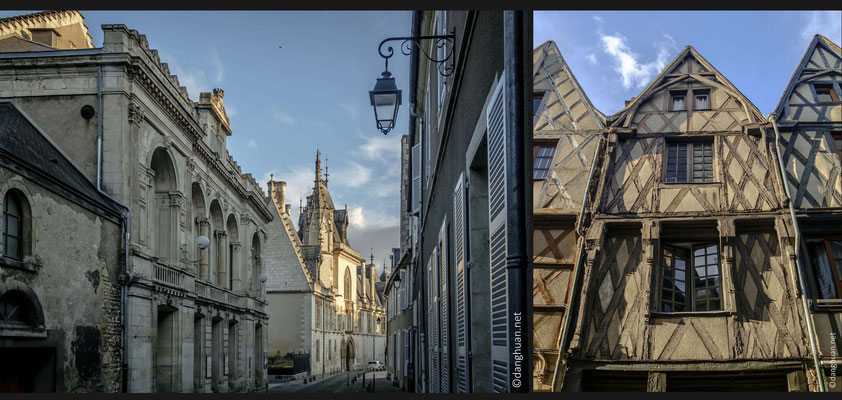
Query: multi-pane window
x=692 y=279
x=825 y=93
x=543 y=157
x=689 y=162
x=12 y=227
x=826 y=263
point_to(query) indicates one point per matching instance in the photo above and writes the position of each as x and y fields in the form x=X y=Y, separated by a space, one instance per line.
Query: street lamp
x=202 y=242
x=397 y=281
x=386 y=97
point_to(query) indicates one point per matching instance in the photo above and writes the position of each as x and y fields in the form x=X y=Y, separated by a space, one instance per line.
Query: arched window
x=16 y=225
x=17 y=310
x=165 y=211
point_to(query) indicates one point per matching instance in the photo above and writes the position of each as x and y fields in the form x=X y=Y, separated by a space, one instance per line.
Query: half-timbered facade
x=565 y=137
x=689 y=282
x=809 y=120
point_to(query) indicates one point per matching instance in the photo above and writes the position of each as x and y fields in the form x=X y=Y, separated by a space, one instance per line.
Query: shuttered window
x=496 y=131
x=444 y=307
x=460 y=240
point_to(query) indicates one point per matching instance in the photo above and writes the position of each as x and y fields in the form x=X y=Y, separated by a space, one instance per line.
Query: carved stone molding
x=137 y=113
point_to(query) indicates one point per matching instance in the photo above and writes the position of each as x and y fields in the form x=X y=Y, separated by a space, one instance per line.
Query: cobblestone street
x=336 y=384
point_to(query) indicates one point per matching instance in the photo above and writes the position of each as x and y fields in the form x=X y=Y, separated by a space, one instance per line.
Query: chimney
x=281 y=192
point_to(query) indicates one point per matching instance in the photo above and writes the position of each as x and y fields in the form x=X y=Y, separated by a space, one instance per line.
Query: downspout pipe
x=576 y=274
x=811 y=329
x=420 y=267
x=516 y=260
x=127 y=223
x=421 y=372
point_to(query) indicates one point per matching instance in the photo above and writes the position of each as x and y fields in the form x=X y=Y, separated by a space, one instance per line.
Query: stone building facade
x=60 y=262
x=189 y=326
x=320 y=286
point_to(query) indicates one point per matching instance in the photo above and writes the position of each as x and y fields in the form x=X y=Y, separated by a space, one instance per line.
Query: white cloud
x=592 y=59
x=633 y=72
x=252 y=143
x=320 y=125
x=216 y=61
x=353 y=175
x=826 y=23
x=230 y=110
x=299 y=179
x=386 y=149
x=350 y=109
x=194 y=79
x=598 y=19
x=282 y=116
x=370 y=219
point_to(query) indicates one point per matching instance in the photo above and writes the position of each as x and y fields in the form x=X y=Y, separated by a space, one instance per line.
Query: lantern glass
x=385 y=99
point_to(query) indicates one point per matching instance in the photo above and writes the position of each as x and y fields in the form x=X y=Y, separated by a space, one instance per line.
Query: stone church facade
x=188 y=326
x=320 y=286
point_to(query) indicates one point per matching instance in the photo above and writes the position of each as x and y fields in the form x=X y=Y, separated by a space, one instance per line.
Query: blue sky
x=285 y=102
x=615 y=54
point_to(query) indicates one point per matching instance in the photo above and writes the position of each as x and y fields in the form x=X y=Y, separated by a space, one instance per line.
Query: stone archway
x=349 y=354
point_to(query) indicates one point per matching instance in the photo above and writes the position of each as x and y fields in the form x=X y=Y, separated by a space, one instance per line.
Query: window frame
x=834 y=98
x=689 y=160
x=537 y=95
x=833 y=270
x=700 y=92
x=537 y=145
x=673 y=95
x=12 y=198
x=689 y=279
x=834 y=136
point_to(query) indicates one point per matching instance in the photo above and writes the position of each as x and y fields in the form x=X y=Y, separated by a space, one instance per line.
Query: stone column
x=204 y=230
x=234 y=267
x=221 y=259
x=174 y=211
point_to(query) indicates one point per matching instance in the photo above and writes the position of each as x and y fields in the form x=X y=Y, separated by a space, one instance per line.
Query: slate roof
x=14 y=43
x=24 y=145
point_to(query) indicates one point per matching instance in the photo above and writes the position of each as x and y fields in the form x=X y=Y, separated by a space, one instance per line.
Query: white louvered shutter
x=463 y=370
x=416 y=178
x=444 y=308
x=432 y=325
x=402 y=290
x=496 y=128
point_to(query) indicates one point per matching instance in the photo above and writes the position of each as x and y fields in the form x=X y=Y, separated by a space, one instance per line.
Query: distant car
x=375 y=365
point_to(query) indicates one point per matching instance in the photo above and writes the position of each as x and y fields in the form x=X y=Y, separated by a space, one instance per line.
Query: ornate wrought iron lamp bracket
x=410 y=44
